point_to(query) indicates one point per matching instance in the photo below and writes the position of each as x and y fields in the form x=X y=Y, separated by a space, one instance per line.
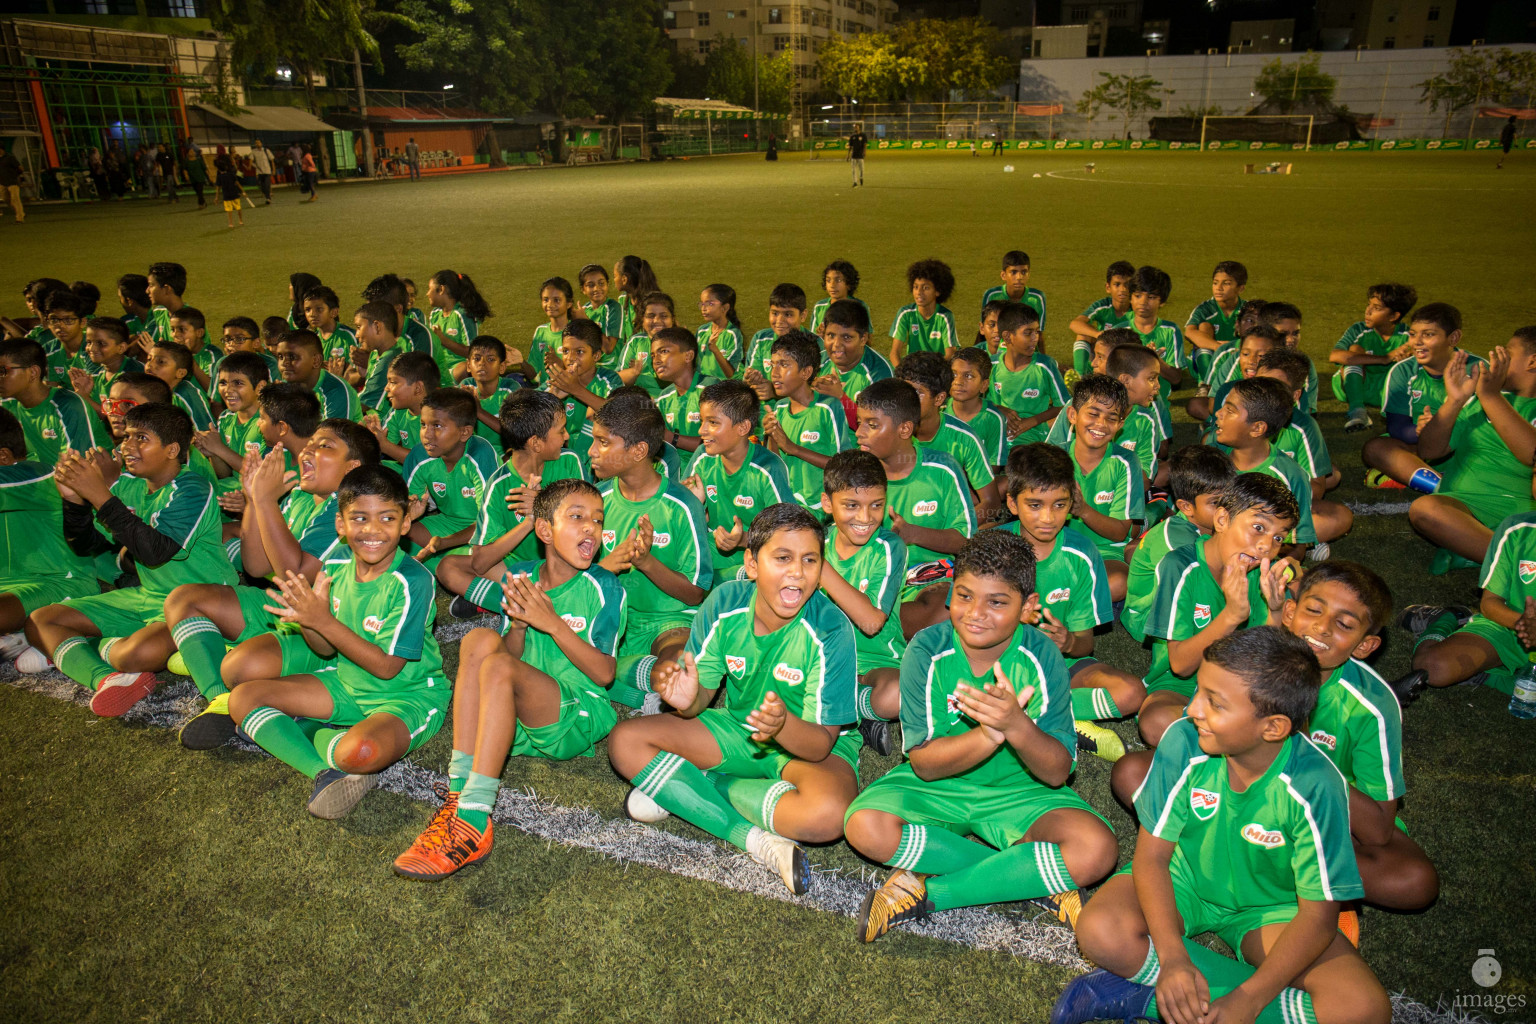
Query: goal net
x=1294 y=130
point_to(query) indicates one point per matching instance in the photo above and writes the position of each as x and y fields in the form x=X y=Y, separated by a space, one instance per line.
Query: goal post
x=1257 y=128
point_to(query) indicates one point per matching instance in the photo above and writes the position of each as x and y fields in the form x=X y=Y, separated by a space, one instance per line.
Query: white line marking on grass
x=1082 y=176
x=1379 y=508
x=1038 y=938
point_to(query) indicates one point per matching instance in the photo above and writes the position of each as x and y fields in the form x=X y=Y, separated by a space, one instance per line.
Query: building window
x=781 y=42
x=729 y=15
x=705 y=45
x=669 y=19
x=1117 y=12
x=775 y=16
x=173 y=9
x=1079 y=14
x=1389 y=43
x=1429 y=41
x=703 y=19
x=1433 y=15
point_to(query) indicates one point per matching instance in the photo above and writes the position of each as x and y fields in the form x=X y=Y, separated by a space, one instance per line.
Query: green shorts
x=1491 y=509
x=642 y=629
x=431 y=562
x=868 y=661
x=422 y=715
x=998 y=815
x=1225 y=923
x=586 y=716
x=1512 y=653
x=253 y=611
x=41 y=591
x=745 y=758
x=121 y=612
x=1173 y=684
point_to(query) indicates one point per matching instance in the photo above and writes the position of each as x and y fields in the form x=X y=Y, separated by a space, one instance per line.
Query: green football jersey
x=729 y=341
x=819 y=314
x=936 y=333
x=459 y=327
x=1074 y=567
x=338 y=343
x=629 y=316
x=1186 y=597
x=578 y=415
x=1034 y=298
x=1411 y=389
x=62 y=420
x=546 y=341
x=1140 y=435
x=679 y=541
x=32 y=545
x=681 y=408
x=820 y=427
x=377 y=377
x=60 y=360
x=760 y=352
x=394 y=613
x=1285 y=836
x=936 y=495
x=189 y=398
x=639 y=347
x=337 y=399
x=185 y=511
x=990 y=427
x=1174 y=532
x=761 y=481
x=878 y=570
x=1165 y=338
x=1358 y=724
x=1509 y=569
x=1224 y=323
x=237 y=435
x=1302 y=441
x=955 y=439
x=1028 y=391
x=159 y=325
x=1114 y=488
x=872 y=366
x=592 y=603
x=403 y=428
x=455 y=494
x=935 y=664
x=810 y=663
x=492 y=406
x=496 y=520
x=415 y=337
x=311 y=518
x=1283 y=468
x=609 y=317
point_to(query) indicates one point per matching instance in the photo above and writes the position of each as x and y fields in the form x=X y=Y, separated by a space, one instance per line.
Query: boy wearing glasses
x=52 y=419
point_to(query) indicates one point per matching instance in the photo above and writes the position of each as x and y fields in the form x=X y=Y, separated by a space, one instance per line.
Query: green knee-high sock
x=681 y=788
x=484 y=593
x=1082 y=357
x=477 y=799
x=936 y=851
x=864 y=703
x=459 y=765
x=1093 y=704
x=78 y=658
x=1022 y=871
x=324 y=741
x=1440 y=627
x=284 y=739
x=202 y=648
x=754 y=799
x=632 y=680
x=1223 y=974
x=1354 y=388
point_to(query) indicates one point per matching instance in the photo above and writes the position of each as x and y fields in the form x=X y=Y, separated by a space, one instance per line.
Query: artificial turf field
x=142 y=882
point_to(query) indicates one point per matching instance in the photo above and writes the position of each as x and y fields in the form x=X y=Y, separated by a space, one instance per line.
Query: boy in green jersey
x=803 y=427
x=366 y=370
x=37 y=568
x=925 y=324
x=556 y=299
x=166 y=283
x=866 y=566
x=1302 y=438
x=969 y=388
x=487 y=365
x=1253 y=413
x=786 y=312
x=1111 y=494
x=987 y=728
x=53 y=420
x=535 y=686
x=1030 y=389
x=1244 y=833
x=1483 y=433
x=533 y=435
x=410 y=378
x=411 y=330
x=172 y=362
x=605 y=313
x=279 y=534
x=1212 y=325
x=674 y=359
x=1414 y=390
x=240 y=379
x=1015 y=286
x=930 y=376
x=580 y=382
x=1285 y=317
x=654 y=539
x=733 y=478
x=1102 y=314
x=361 y=685
x=1072 y=592
x=133 y=296
x=928 y=502
x=1368 y=347
x=66 y=314
x=1150 y=289
x=447 y=473
x=839 y=280
x=1108 y=340
x=106 y=350
x=854 y=365
x=780 y=753
x=1136 y=367
x=1197 y=474
x=656 y=314
x=299 y=360
x=322 y=307
x=189 y=328
x=1214 y=587
x=1237 y=362
x=165 y=517
x=239 y=334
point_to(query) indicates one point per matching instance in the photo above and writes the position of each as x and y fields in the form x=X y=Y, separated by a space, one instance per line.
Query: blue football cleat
x=1099 y=995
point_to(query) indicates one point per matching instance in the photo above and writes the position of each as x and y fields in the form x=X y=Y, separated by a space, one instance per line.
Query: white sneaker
x=12 y=644
x=32 y=661
x=1321 y=552
x=783 y=856
x=640 y=807
x=650 y=706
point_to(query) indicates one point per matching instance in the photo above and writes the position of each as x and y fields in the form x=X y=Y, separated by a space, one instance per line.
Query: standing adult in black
x=197 y=171
x=261 y=160
x=856 y=144
x=413 y=158
x=166 y=157
x=1506 y=139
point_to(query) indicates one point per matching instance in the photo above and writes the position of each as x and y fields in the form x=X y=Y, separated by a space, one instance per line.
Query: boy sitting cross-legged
x=1072 y=591
x=1245 y=833
x=654 y=539
x=1369 y=347
x=361 y=685
x=969 y=403
x=986 y=723
x=866 y=566
x=410 y=378
x=537 y=685
x=1111 y=494
x=805 y=428
x=1025 y=384
x=165 y=516
x=278 y=535
x=449 y=470
x=1212 y=325
x=1102 y=314
x=781 y=755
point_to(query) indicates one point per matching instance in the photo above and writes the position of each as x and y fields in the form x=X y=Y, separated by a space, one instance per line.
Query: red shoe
x=121 y=691
x=448 y=844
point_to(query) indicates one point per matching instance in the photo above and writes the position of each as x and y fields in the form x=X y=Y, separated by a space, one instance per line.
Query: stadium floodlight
x=828 y=106
x=1266 y=128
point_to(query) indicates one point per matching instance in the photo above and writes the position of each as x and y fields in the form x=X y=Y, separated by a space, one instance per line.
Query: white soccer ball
x=1037 y=174
x=1008 y=168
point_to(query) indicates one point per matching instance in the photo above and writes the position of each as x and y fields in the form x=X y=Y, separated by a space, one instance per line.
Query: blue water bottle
x=1522 y=703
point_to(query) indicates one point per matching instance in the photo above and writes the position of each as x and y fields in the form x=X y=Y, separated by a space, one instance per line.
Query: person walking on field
x=10 y=183
x=262 y=161
x=1506 y=139
x=413 y=158
x=166 y=158
x=197 y=170
x=311 y=175
x=856 y=144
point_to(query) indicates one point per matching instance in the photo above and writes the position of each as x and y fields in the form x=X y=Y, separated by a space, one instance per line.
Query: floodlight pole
x=362 y=112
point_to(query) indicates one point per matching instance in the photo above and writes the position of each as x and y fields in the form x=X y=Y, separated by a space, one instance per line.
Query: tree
x=728 y=72
x=774 y=75
x=483 y=44
x=1303 y=84
x=863 y=67
x=926 y=59
x=1476 y=76
x=1128 y=95
x=304 y=34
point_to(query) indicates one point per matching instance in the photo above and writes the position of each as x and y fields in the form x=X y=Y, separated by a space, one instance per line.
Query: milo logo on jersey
x=809 y=436
x=660 y=540
x=373 y=623
x=1059 y=595
x=735 y=665
x=576 y=622
x=1527 y=570
x=50 y=434
x=925 y=508
x=1031 y=393
x=1258 y=835
x=1204 y=803
x=467 y=492
x=952 y=705
x=1104 y=497
x=743 y=501
x=1202 y=615
x=1323 y=739
x=784 y=673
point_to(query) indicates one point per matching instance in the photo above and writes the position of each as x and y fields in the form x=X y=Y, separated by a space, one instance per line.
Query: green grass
x=142 y=882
